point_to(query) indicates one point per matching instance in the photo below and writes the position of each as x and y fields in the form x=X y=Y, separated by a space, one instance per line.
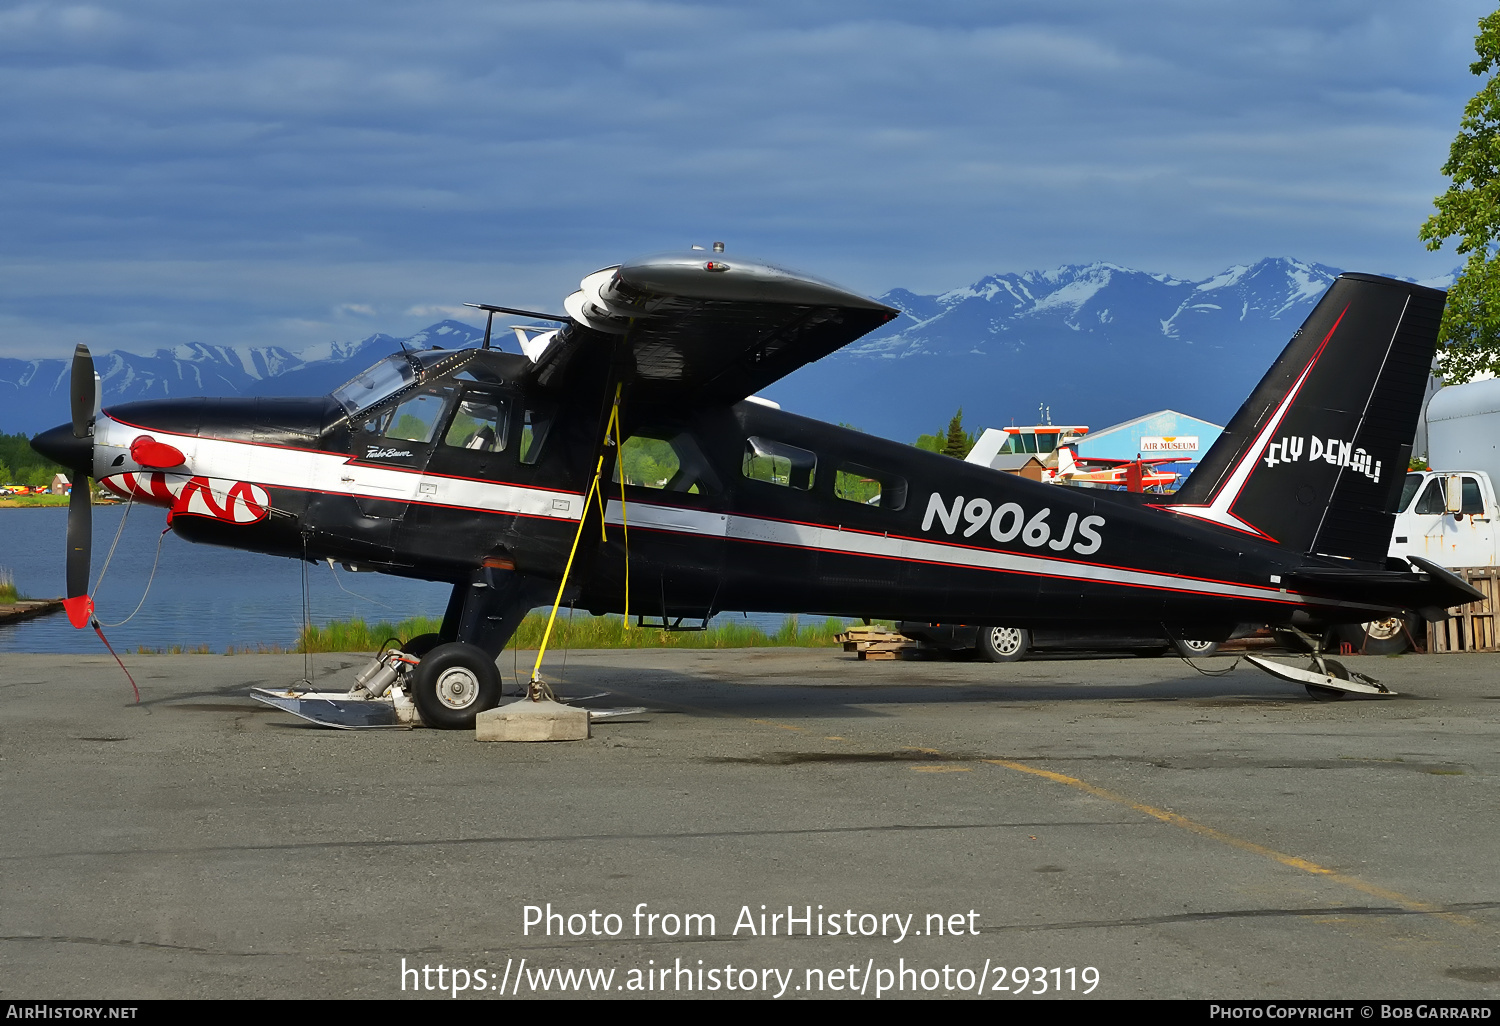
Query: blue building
x=1165 y=433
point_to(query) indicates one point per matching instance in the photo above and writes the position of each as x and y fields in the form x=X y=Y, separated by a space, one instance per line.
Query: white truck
x=1447 y=514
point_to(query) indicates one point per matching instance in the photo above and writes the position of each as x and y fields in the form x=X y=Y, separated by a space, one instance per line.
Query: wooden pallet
x=875 y=642
x=1471 y=627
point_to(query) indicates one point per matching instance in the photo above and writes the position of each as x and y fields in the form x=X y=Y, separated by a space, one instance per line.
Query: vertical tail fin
x=1315 y=458
x=1067 y=463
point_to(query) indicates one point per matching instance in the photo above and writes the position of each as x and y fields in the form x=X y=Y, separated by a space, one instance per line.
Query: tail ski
x=1315 y=458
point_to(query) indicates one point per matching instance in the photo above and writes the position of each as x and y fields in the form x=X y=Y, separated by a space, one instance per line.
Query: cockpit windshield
x=378 y=382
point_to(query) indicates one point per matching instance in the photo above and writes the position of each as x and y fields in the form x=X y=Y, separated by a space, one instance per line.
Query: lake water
x=201 y=595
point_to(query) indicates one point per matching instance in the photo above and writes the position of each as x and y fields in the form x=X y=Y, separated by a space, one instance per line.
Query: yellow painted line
x=943 y=769
x=1306 y=865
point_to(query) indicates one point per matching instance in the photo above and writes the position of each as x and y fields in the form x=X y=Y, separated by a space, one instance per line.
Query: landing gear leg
x=457 y=680
x=486 y=611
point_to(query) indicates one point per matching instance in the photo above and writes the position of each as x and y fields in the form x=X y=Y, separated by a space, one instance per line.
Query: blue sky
x=289 y=173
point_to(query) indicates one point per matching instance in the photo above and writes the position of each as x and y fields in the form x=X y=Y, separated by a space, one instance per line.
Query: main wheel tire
x=1004 y=644
x=1189 y=649
x=453 y=684
x=421 y=644
x=1390 y=636
x=1322 y=694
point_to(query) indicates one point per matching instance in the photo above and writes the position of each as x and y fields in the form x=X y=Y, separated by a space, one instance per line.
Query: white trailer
x=1463 y=428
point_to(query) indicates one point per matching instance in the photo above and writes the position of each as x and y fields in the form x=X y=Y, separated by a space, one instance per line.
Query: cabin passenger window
x=478 y=425
x=666 y=462
x=868 y=487
x=779 y=464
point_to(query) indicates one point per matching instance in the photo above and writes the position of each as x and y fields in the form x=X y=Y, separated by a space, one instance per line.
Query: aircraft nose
x=61 y=446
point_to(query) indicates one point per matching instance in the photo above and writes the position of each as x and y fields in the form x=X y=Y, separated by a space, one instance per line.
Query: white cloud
x=452 y=313
x=241 y=165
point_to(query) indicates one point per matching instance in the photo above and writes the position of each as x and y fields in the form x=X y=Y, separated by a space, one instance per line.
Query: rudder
x=1315 y=458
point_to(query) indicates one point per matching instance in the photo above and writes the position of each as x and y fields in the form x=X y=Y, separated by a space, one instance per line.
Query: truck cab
x=1447 y=517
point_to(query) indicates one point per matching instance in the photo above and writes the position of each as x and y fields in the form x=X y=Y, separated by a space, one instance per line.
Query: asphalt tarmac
x=1107 y=827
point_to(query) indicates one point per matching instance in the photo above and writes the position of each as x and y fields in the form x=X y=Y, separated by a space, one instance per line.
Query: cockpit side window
x=415 y=420
x=479 y=425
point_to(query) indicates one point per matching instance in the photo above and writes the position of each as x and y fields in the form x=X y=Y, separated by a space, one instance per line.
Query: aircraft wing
x=703 y=327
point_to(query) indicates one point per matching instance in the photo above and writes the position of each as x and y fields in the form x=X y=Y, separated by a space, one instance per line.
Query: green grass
x=24 y=501
x=581 y=632
x=8 y=593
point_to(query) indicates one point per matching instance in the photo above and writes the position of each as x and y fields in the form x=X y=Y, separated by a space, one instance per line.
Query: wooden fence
x=1469 y=628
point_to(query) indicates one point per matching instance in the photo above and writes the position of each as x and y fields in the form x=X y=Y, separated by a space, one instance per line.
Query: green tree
x=958 y=441
x=1470 y=210
x=931 y=443
x=25 y=465
x=951 y=441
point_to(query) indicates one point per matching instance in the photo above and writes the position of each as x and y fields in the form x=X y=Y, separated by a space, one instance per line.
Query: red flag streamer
x=117 y=659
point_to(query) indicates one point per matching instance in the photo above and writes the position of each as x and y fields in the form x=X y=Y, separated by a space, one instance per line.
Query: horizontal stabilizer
x=1450 y=580
x=1430 y=586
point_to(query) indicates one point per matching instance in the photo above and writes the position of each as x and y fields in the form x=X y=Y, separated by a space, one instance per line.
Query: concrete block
x=532 y=721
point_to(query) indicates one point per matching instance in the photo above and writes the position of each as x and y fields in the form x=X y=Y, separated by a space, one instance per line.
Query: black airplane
x=622 y=462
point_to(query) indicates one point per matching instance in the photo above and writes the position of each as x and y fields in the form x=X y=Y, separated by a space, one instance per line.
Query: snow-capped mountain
x=1097 y=343
x=34 y=393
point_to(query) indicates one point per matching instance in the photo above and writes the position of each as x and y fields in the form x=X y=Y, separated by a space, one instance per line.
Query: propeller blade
x=83 y=391
x=80 y=543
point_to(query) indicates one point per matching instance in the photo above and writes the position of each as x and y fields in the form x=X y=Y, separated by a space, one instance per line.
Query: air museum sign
x=1176 y=443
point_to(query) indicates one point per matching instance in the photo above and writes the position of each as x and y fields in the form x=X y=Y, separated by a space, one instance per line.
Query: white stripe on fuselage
x=312 y=471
